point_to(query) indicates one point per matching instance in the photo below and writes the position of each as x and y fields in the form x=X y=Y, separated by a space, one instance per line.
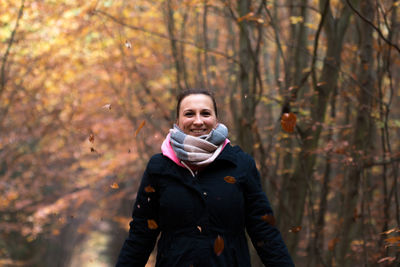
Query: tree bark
x=335 y=29
x=362 y=138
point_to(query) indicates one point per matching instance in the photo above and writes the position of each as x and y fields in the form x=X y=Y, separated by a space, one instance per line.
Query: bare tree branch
x=373 y=26
x=10 y=43
x=162 y=36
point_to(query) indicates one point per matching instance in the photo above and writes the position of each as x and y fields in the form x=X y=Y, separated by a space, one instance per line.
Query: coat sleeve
x=265 y=237
x=144 y=229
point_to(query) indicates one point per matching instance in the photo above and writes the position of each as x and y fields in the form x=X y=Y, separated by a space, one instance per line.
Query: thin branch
x=10 y=43
x=373 y=26
x=162 y=36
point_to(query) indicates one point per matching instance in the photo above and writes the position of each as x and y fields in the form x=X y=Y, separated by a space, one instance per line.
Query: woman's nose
x=198 y=120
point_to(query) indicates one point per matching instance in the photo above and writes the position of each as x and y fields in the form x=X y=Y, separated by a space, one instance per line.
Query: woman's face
x=197 y=115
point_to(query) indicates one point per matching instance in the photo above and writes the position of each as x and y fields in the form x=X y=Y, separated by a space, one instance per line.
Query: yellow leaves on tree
x=230 y=179
x=219 y=245
x=152 y=224
x=288 y=122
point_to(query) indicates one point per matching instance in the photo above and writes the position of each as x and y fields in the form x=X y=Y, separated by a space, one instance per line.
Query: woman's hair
x=194 y=91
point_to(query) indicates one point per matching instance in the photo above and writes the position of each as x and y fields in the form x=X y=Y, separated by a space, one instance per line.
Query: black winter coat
x=223 y=199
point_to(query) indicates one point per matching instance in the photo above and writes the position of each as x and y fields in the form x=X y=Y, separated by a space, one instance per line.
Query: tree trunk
x=335 y=29
x=362 y=138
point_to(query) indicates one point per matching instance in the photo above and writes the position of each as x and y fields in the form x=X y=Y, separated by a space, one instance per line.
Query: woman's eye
x=206 y=114
x=188 y=114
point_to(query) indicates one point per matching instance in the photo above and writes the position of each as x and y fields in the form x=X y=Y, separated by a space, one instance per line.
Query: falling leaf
x=295 y=229
x=230 y=179
x=114 y=186
x=296 y=19
x=92 y=149
x=149 y=189
x=332 y=243
x=269 y=218
x=128 y=44
x=391 y=231
x=288 y=122
x=107 y=106
x=389 y=259
x=392 y=240
x=91 y=138
x=218 y=245
x=143 y=123
x=152 y=224
x=245 y=17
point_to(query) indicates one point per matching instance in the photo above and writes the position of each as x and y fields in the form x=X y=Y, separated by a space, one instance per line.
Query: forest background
x=309 y=88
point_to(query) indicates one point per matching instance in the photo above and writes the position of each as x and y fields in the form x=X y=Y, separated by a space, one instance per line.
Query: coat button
x=204 y=193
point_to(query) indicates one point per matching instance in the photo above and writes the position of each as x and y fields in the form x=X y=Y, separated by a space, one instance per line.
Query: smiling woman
x=197 y=115
x=204 y=195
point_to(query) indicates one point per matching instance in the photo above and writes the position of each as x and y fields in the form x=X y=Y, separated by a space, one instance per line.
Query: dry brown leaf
x=288 y=122
x=392 y=240
x=143 y=123
x=389 y=259
x=91 y=138
x=149 y=189
x=152 y=224
x=218 y=245
x=295 y=229
x=269 y=218
x=230 y=179
x=332 y=243
x=114 y=186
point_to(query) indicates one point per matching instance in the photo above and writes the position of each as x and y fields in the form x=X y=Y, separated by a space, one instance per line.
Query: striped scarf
x=198 y=151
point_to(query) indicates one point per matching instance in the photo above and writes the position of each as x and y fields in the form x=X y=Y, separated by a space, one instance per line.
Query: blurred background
x=309 y=88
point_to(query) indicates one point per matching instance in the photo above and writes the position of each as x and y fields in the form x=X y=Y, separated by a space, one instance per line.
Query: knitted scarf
x=198 y=151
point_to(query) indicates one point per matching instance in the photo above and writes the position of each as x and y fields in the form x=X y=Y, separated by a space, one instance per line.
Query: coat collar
x=228 y=154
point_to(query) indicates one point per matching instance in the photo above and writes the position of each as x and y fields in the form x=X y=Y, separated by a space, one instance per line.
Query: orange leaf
x=149 y=189
x=140 y=127
x=152 y=224
x=391 y=231
x=394 y=239
x=269 y=218
x=91 y=138
x=218 y=245
x=114 y=186
x=230 y=179
x=295 y=229
x=288 y=122
x=332 y=243
x=389 y=259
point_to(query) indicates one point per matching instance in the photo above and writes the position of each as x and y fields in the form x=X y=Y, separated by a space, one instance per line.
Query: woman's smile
x=197 y=115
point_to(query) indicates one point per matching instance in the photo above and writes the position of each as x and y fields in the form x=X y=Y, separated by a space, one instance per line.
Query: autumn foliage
x=87 y=95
